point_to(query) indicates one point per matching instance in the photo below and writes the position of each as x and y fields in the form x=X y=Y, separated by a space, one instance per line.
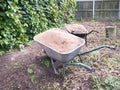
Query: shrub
x=32 y=18
x=20 y=20
x=12 y=34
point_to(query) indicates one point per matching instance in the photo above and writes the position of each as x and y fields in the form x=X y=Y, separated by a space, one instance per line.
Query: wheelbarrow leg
x=85 y=39
x=80 y=58
x=55 y=71
x=63 y=70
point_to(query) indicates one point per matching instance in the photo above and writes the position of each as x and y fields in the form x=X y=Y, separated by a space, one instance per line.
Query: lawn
x=27 y=70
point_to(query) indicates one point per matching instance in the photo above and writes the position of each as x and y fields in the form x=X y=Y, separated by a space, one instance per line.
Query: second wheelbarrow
x=78 y=30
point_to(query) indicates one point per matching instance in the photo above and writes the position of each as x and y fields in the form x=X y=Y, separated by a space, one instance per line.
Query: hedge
x=20 y=20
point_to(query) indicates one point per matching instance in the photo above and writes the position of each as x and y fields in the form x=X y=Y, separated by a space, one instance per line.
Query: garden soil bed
x=15 y=66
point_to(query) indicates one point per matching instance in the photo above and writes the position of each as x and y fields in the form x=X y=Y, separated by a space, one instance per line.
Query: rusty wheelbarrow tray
x=63 y=47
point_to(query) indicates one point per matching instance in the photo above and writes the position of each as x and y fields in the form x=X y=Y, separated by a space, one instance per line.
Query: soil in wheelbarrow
x=76 y=28
x=29 y=69
x=59 y=41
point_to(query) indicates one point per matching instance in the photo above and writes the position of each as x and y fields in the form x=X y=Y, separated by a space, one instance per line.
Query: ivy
x=20 y=20
x=11 y=32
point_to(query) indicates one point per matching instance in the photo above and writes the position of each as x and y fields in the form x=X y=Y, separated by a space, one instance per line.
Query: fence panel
x=103 y=9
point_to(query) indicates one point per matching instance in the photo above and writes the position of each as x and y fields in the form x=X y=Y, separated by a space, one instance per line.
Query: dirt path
x=13 y=67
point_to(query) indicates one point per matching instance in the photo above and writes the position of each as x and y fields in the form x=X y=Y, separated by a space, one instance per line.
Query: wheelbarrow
x=63 y=47
x=78 y=30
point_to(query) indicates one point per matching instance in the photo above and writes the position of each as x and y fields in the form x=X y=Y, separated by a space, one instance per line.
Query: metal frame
x=70 y=62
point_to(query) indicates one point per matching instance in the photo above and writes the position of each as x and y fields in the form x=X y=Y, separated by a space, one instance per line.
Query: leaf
x=29 y=70
x=15 y=65
x=31 y=65
x=46 y=62
x=21 y=46
x=33 y=78
x=20 y=20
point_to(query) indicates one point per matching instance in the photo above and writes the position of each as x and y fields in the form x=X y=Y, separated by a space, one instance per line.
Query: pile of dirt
x=76 y=28
x=59 y=41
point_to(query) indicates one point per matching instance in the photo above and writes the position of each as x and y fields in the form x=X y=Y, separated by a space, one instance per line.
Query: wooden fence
x=107 y=9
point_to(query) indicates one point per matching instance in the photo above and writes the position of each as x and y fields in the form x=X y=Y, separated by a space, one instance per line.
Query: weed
x=32 y=78
x=46 y=62
x=29 y=70
x=31 y=65
x=94 y=82
x=15 y=65
x=110 y=83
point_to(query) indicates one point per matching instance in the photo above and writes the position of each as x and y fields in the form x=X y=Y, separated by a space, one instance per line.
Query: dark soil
x=14 y=66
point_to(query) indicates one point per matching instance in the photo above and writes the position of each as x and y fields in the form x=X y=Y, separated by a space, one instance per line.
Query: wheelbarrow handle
x=110 y=47
x=92 y=32
x=97 y=48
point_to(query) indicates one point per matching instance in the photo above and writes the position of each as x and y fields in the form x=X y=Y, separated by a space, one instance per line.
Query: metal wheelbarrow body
x=60 y=45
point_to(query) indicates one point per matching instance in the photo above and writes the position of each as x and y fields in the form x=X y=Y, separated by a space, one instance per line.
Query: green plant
x=110 y=83
x=32 y=78
x=12 y=34
x=46 y=62
x=16 y=65
x=94 y=82
x=30 y=71
x=20 y=20
x=67 y=10
x=32 y=18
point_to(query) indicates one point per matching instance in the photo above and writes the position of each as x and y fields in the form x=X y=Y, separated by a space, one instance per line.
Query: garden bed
x=27 y=69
